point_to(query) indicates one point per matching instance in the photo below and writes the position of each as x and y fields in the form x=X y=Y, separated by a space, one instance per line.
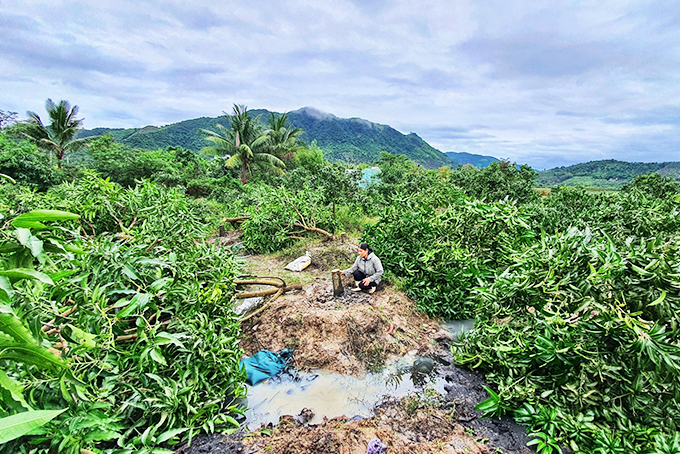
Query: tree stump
x=337 y=284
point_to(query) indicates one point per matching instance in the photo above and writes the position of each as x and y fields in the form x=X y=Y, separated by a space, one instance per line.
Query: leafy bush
x=442 y=254
x=124 y=165
x=282 y=217
x=580 y=337
x=497 y=181
x=28 y=166
x=653 y=185
x=144 y=328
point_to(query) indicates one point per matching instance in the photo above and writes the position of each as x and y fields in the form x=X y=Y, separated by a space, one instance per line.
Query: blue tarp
x=265 y=364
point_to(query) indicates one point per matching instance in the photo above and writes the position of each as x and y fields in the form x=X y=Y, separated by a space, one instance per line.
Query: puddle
x=329 y=394
x=458 y=327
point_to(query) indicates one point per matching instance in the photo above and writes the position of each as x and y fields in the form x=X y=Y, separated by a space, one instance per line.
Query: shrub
x=23 y=162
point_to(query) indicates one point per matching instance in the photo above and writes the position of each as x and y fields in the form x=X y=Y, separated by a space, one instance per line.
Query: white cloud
x=530 y=81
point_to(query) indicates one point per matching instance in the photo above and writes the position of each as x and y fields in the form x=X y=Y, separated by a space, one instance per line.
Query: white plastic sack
x=300 y=263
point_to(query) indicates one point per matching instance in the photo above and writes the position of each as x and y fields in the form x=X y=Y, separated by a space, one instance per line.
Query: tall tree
x=7 y=118
x=284 y=140
x=59 y=137
x=244 y=142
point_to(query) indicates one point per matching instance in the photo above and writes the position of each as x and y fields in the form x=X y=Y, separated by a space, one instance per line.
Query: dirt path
x=351 y=335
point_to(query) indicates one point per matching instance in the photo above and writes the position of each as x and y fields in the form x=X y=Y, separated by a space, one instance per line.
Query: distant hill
x=476 y=160
x=608 y=174
x=352 y=140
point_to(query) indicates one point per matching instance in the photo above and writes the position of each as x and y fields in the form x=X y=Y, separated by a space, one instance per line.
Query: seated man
x=367 y=270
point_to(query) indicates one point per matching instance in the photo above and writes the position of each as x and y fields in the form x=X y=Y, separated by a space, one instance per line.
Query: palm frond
x=233 y=161
x=269 y=159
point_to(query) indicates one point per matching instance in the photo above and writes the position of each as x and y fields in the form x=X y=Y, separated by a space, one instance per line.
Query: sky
x=543 y=83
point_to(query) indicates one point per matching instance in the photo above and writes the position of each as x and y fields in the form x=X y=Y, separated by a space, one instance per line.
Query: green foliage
x=584 y=331
x=147 y=343
x=281 y=217
x=123 y=165
x=608 y=174
x=246 y=146
x=442 y=254
x=15 y=426
x=310 y=158
x=59 y=137
x=653 y=185
x=497 y=181
x=29 y=167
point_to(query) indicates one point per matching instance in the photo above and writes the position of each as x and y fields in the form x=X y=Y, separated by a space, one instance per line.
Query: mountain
x=476 y=160
x=607 y=174
x=352 y=140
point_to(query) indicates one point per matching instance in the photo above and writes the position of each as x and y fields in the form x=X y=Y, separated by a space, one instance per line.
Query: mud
x=354 y=334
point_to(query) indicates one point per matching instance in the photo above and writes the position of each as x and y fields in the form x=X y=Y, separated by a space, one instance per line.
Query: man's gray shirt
x=371 y=266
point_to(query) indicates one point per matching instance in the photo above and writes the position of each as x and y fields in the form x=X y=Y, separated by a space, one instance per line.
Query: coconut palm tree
x=59 y=137
x=284 y=141
x=244 y=144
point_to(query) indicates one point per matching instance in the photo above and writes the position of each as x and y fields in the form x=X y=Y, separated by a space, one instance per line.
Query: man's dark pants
x=360 y=276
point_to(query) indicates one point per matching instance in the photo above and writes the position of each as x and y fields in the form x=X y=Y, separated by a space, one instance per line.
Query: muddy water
x=458 y=327
x=330 y=394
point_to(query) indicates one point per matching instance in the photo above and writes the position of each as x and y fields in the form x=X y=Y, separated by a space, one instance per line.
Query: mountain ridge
x=476 y=160
x=352 y=140
x=604 y=174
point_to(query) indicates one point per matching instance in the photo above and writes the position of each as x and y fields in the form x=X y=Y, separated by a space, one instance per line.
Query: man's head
x=363 y=250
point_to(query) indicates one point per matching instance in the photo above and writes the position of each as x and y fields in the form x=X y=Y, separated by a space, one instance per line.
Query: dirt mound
x=406 y=427
x=355 y=333
x=349 y=334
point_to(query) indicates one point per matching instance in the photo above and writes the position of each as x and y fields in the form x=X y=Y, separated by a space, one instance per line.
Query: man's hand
x=366 y=281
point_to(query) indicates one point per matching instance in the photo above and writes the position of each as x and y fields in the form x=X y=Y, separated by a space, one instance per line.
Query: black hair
x=364 y=246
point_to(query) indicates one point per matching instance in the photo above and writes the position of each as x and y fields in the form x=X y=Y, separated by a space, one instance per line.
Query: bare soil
x=353 y=334
x=349 y=334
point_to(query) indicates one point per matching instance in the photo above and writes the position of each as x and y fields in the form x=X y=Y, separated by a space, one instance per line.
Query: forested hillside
x=351 y=140
x=607 y=174
x=476 y=160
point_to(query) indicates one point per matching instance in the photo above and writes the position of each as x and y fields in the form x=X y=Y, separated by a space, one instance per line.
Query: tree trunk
x=244 y=172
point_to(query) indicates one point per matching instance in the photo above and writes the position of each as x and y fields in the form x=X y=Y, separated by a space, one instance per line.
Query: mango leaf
x=74 y=249
x=15 y=426
x=157 y=356
x=59 y=275
x=139 y=301
x=39 y=216
x=167 y=338
x=13 y=326
x=15 y=389
x=53 y=246
x=78 y=336
x=30 y=242
x=8 y=247
x=169 y=434
x=659 y=300
x=160 y=284
x=17 y=274
x=130 y=272
x=6 y=290
x=7 y=178
x=33 y=225
x=29 y=354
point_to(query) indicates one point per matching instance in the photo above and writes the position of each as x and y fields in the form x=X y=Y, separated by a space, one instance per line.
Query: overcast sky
x=530 y=81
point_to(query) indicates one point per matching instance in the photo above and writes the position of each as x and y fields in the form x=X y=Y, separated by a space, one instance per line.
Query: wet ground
x=365 y=367
x=330 y=395
x=436 y=415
